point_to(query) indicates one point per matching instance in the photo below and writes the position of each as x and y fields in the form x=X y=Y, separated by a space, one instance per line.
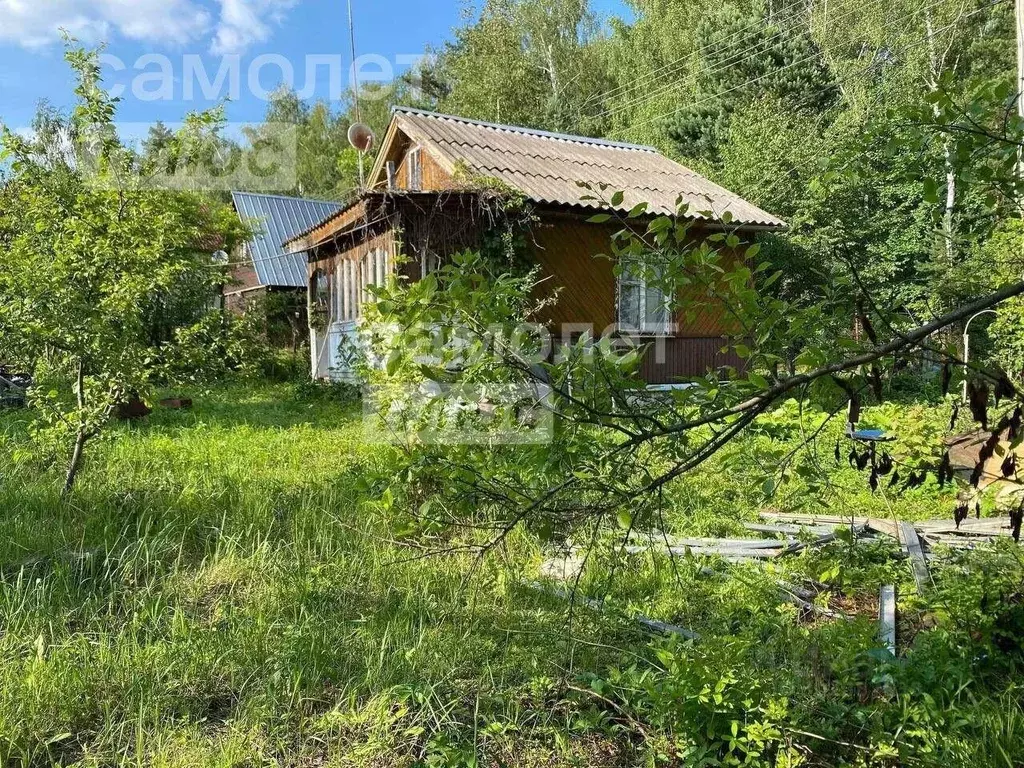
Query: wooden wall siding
x=439 y=227
x=433 y=178
x=712 y=317
x=243 y=279
x=370 y=211
x=238 y=303
x=566 y=246
x=683 y=358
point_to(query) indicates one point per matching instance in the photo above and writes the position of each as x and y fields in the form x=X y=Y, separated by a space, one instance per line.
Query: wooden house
x=420 y=205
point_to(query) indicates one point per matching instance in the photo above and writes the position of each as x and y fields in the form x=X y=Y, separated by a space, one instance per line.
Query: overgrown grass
x=218 y=592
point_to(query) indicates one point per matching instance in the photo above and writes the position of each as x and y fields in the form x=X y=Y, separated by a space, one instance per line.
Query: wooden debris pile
x=788 y=534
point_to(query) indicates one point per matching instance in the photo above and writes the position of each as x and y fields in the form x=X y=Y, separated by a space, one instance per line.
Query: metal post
x=967 y=335
x=356 y=86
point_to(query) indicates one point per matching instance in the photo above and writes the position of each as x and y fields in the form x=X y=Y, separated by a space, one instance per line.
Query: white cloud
x=36 y=23
x=245 y=22
x=235 y=26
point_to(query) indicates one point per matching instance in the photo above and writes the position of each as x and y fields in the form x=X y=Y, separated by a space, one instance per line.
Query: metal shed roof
x=277 y=219
x=550 y=167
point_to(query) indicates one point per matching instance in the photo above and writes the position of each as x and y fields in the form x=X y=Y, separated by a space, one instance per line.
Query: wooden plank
x=728 y=552
x=788 y=530
x=800 y=546
x=804 y=603
x=970 y=526
x=793 y=589
x=726 y=543
x=965 y=533
x=669 y=629
x=887 y=618
x=832 y=522
x=912 y=546
x=887 y=527
x=955 y=542
x=659 y=539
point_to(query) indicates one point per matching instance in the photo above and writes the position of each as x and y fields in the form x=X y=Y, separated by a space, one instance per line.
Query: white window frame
x=415 y=160
x=651 y=323
x=338 y=292
x=430 y=262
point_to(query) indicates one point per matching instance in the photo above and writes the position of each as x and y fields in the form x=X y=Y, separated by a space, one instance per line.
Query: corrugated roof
x=276 y=220
x=549 y=167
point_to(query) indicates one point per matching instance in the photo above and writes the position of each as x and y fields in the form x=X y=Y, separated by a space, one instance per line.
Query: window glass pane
x=321 y=289
x=657 y=314
x=337 y=290
x=415 y=170
x=631 y=297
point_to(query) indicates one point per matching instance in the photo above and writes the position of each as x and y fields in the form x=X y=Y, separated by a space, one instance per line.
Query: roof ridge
x=527 y=131
x=318 y=201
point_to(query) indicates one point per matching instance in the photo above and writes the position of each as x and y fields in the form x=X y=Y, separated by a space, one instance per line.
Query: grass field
x=219 y=592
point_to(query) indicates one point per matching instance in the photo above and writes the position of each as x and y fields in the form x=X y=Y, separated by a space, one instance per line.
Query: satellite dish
x=361 y=137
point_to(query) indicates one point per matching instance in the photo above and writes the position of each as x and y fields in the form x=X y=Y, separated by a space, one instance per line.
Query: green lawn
x=219 y=592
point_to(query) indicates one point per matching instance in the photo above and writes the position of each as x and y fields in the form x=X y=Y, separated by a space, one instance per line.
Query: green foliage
x=742 y=58
x=217 y=346
x=1003 y=255
x=247 y=597
x=703 y=697
x=321 y=391
x=526 y=62
x=453 y=326
x=99 y=268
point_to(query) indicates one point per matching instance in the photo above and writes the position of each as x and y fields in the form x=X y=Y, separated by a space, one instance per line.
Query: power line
x=817 y=55
x=677 y=63
x=736 y=59
x=800 y=166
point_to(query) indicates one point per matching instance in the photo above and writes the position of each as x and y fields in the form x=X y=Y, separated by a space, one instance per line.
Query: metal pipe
x=967 y=345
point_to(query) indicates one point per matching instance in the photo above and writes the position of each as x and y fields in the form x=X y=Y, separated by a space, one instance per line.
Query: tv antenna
x=360 y=136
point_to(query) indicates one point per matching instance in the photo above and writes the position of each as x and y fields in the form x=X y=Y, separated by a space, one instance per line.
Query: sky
x=163 y=56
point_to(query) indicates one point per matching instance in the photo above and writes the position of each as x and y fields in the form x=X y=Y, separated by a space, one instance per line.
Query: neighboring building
x=419 y=207
x=263 y=268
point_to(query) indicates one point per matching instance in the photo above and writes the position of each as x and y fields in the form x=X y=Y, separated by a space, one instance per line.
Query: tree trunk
x=76 y=461
x=937 y=63
x=83 y=434
x=948 y=227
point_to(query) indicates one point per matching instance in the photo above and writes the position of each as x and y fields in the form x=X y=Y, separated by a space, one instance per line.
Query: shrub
x=219 y=345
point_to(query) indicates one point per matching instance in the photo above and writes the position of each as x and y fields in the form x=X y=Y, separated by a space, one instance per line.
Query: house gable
x=414 y=163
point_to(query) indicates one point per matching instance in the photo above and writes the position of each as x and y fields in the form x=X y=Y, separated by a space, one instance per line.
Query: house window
x=338 y=290
x=643 y=308
x=415 y=169
x=374 y=268
x=319 y=300
x=321 y=290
